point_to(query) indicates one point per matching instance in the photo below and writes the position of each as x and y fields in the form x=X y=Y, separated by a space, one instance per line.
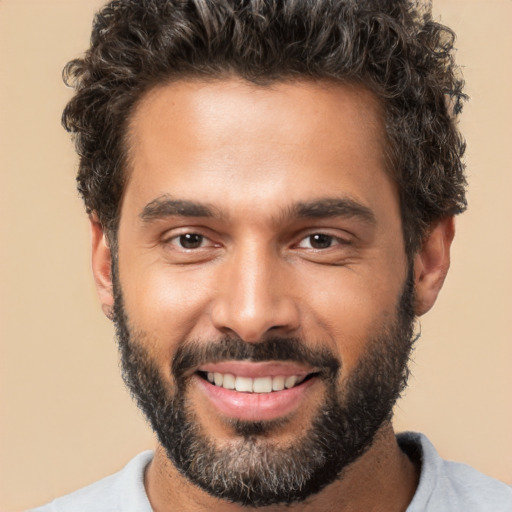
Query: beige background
x=65 y=419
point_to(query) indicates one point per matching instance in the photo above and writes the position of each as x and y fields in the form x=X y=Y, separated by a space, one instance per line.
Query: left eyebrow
x=164 y=206
x=332 y=207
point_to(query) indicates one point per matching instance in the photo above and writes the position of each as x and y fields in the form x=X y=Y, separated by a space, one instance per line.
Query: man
x=271 y=188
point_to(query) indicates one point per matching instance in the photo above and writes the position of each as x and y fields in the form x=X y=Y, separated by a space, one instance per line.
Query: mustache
x=192 y=354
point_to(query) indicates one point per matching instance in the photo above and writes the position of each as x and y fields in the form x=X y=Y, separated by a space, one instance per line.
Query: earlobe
x=101 y=265
x=431 y=264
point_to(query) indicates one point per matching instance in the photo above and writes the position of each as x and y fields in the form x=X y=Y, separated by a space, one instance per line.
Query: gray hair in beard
x=252 y=470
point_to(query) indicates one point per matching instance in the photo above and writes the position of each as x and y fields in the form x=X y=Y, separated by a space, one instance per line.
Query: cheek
x=348 y=309
x=169 y=305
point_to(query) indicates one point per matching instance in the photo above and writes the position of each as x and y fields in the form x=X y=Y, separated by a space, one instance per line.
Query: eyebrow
x=332 y=207
x=165 y=206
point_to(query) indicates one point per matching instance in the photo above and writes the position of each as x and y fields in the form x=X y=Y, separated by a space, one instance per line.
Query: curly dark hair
x=394 y=48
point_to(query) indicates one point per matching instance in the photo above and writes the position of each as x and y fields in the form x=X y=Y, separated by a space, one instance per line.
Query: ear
x=431 y=264
x=101 y=265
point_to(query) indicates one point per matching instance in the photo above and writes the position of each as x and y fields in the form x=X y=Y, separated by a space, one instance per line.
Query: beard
x=252 y=470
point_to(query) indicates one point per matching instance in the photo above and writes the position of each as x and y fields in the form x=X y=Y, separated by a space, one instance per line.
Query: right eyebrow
x=164 y=206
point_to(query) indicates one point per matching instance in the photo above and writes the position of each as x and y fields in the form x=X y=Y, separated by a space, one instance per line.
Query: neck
x=383 y=479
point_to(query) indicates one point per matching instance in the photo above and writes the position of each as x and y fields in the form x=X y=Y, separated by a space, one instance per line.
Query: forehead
x=234 y=140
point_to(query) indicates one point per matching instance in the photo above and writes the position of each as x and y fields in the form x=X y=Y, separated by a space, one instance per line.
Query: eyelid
x=176 y=241
x=343 y=238
x=172 y=235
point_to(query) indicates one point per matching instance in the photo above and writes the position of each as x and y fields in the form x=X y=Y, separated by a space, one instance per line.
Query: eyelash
x=332 y=241
x=181 y=238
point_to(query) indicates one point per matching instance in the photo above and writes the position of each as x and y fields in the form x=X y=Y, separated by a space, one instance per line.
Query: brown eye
x=320 y=241
x=191 y=241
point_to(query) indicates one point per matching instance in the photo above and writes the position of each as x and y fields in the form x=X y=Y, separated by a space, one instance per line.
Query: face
x=262 y=290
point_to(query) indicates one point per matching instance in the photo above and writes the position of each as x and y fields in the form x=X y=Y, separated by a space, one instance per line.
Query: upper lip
x=258 y=369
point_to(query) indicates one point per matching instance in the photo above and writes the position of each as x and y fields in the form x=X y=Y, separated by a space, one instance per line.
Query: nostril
x=252 y=316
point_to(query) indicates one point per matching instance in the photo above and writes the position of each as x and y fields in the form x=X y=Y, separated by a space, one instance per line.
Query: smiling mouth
x=254 y=385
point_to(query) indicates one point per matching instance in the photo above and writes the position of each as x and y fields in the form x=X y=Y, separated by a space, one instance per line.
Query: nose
x=255 y=297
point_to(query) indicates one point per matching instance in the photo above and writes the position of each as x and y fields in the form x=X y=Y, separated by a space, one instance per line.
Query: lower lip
x=256 y=406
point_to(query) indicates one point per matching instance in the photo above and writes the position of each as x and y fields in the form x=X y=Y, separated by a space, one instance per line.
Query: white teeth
x=243 y=384
x=290 y=381
x=257 y=385
x=229 y=381
x=262 y=385
x=278 y=383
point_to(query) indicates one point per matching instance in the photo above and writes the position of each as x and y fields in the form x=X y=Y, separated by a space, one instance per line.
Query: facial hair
x=252 y=470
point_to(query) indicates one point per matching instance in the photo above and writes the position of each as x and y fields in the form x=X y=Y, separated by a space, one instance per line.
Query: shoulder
x=122 y=491
x=451 y=486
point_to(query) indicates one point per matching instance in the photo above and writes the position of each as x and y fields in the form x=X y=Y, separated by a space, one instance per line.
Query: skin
x=251 y=154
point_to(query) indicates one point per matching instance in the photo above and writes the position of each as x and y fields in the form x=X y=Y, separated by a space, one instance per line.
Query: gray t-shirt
x=443 y=487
